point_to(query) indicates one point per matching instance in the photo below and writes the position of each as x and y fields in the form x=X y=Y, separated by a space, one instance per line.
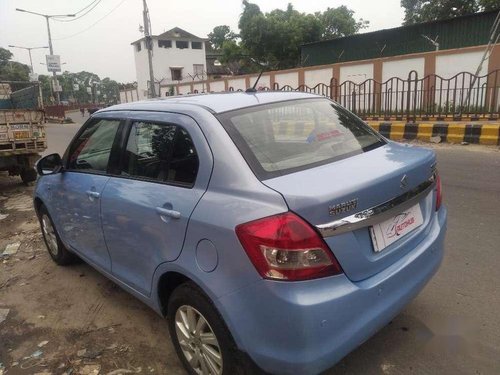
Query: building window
x=196 y=45
x=182 y=44
x=138 y=47
x=176 y=74
x=198 y=70
x=165 y=43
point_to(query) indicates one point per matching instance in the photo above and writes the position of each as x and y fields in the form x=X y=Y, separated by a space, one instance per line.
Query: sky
x=104 y=47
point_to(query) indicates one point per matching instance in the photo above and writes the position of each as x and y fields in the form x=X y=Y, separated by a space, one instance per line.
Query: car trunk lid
x=399 y=174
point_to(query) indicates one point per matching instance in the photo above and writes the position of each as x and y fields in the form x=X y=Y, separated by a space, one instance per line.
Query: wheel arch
x=167 y=283
x=37 y=203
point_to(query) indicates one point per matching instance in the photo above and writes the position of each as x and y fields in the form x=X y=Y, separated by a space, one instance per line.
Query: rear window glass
x=294 y=135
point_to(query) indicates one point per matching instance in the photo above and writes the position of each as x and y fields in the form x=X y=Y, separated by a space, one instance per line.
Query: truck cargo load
x=22 y=128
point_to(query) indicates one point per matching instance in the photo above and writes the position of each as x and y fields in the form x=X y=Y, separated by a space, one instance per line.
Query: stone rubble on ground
x=89 y=370
x=36 y=354
x=3 y=315
x=43 y=343
x=121 y=371
x=11 y=248
x=436 y=139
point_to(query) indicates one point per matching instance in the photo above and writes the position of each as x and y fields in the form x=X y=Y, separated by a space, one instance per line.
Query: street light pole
x=31 y=61
x=29 y=52
x=47 y=16
x=51 y=51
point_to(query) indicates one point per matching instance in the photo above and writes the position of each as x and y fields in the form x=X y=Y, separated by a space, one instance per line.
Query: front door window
x=92 y=149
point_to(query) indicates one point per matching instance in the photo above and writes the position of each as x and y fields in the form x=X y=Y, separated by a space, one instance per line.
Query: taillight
x=285 y=247
x=439 y=192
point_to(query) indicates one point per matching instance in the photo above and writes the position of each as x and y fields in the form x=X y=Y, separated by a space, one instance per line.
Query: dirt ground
x=68 y=320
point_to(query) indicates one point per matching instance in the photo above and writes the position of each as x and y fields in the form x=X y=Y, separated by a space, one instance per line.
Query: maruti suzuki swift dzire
x=272 y=226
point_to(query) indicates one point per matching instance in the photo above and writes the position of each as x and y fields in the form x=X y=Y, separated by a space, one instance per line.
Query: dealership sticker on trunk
x=389 y=231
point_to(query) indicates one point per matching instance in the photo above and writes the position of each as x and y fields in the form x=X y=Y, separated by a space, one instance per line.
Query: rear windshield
x=289 y=136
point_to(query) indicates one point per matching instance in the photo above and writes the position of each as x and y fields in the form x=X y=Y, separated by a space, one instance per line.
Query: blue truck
x=22 y=128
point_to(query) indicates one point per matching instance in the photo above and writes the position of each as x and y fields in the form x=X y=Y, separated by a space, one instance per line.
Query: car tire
x=57 y=251
x=197 y=345
x=28 y=175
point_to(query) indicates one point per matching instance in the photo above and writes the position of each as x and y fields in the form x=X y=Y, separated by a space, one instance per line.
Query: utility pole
x=149 y=47
x=47 y=16
x=29 y=51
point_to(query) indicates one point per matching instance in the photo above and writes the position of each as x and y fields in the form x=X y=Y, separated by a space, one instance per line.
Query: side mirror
x=50 y=164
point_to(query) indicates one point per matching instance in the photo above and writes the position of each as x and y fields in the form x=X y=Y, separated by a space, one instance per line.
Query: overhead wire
x=92 y=25
x=81 y=10
x=71 y=19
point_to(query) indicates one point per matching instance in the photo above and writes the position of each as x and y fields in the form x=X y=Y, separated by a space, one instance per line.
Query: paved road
x=453 y=326
x=59 y=135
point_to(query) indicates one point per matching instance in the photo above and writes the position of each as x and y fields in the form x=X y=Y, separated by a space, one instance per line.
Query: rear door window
x=160 y=152
x=294 y=135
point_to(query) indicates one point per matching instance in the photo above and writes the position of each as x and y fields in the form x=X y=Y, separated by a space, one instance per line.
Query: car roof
x=213 y=102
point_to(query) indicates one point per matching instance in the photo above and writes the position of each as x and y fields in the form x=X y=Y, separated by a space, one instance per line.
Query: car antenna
x=263 y=66
x=253 y=89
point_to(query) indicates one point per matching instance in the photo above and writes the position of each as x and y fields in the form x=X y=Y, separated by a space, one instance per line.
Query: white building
x=178 y=57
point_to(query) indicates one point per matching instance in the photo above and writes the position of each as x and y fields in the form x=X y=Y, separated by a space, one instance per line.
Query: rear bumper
x=307 y=327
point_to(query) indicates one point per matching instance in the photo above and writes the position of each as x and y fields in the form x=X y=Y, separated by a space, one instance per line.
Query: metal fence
x=464 y=95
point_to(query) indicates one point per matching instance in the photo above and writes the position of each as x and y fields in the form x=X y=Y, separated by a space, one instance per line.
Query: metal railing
x=464 y=95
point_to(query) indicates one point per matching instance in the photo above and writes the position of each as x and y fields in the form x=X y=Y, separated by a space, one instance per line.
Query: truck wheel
x=57 y=251
x=28 y=175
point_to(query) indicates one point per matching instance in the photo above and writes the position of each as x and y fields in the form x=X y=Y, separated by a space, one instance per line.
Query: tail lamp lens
x=285 y=247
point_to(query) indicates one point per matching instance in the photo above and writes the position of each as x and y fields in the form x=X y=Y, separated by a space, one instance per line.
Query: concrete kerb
x=451 y=132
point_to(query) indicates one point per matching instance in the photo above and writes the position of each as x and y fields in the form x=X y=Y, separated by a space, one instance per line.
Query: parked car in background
x=278 y=225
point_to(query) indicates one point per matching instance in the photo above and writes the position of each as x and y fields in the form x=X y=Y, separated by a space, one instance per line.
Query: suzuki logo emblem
x=404 y=182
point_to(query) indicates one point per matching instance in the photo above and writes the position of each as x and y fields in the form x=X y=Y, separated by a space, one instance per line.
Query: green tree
x=84 y=80
x=110 y=90
x=276 y=37
x=219 y=35
x=235 y=58
x=339 y=22
x=431 y=10
x=487 y=5
x=45 y=82
x=75 y=85
x=12 y=70
x=5 y=56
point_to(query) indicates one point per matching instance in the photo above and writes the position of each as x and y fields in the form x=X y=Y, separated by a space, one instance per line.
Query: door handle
x=93 y=194
x=170 y=213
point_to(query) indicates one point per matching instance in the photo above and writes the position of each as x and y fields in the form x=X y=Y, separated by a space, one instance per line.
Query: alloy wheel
x=50 y=235
x=198 y=341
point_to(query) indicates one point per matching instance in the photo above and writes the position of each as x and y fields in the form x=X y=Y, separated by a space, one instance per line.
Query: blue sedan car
x=274 y=229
